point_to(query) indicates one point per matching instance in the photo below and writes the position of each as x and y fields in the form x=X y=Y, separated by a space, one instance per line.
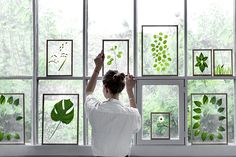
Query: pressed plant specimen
x=160 y=125
x=223 y=62
x=114 y=55
x=160 y=54
x=209 y=118
x=60 y=118
x=159 y=50
x=202 y=62
x=59 y=57
x=11 y=114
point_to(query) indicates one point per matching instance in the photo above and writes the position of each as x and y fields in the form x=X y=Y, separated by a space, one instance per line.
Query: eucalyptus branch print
x=114 y=56
x=159 y=50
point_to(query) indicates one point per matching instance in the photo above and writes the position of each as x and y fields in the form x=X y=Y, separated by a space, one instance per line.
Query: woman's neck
x=115 y=96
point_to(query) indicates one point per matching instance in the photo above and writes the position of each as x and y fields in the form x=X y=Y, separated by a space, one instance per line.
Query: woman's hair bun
x=119 y=77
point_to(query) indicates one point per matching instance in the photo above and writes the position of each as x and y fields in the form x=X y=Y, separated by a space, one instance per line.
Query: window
x=182 y=53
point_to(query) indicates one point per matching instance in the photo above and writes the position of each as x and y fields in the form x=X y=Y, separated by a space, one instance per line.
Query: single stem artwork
x=221 y=70
x=5 y=101
x=201 y=62
x=198 y=115
x=160 y=54
x=116 y=54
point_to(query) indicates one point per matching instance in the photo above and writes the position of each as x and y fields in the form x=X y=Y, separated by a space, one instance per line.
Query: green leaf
x=196 y=133
x=164 y=56
x=205 y=64
x=205 y=58
x=160 y=33
x=60 y=109
x=221 y=118
x=115 y=47
x=120 y=52
x=10 y=100
x=155 y=36
x=165 y=41
x=160 y=39
x=165 y=36
x=167 y=64
x=163 y=69
x=219 y=102
x=198 y=64
x=205 y=99
x=196 y=125
x=221 y=109
x=201 y=57
x=19 y=118
x=2 y=99
x=197 y=117
x=153 y=45
x=213 y=100
x=154 y=65
x=221 y=128
x=158 y=69
x=16 y=102
x=169 y=59
x=160 y=48
x=219 y=136
x=118 y=56
x=211 y=137
x=202 y=68
x=198 y=103
x=165 y=46
x=108 y=56
x=8 y=136
x=198 y=59
x=159 y=58
x=109 y=63
x=153 y=49
x=204 y=136
x=1 y=136
x=17 y=136
x=197 y=110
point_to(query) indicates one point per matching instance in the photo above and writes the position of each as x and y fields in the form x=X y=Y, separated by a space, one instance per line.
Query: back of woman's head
x=114 y=81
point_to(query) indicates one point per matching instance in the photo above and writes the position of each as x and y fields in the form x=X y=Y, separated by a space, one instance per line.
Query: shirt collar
x=114 y=100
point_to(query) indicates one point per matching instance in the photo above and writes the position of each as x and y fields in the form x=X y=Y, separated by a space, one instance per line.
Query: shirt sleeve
x=91 y=103
x=137 y=121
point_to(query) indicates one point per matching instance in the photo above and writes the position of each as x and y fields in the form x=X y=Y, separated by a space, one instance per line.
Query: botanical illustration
x=116 y=55
x=202 y=62
x=160 y=50
x=59 y=57
x=223 y=62
x=11 y=119
x=209 y=119
x=59 y=117
x=160 y=128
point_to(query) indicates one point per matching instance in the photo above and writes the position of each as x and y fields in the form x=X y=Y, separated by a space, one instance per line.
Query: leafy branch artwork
x=8 y=110
x=62 y=112
x=114 y=55
x=201 y=62
x=203 y=119
x=160 y=54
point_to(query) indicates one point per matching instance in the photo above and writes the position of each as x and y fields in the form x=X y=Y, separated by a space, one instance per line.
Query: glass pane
x=61 y=20
x=160 y=98
x=215 y=15
x=113 y=20
x=14 y=112
x=66 y=87
x=16 y=44
x=160 y=12
x=213 y=86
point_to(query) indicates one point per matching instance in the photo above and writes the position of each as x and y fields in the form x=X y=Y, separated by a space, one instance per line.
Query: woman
x=113 y=124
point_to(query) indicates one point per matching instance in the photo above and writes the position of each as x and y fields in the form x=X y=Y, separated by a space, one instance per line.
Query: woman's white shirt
x=113 y=126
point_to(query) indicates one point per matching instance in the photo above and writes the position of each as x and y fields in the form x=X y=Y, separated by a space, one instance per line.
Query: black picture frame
x=177 y=49
x=23 y=118
x=116 y=40
x=77 y=131
x=226 y=115
x=151 y=130
x=47 y=57
x=214 y=60
x=194 y=51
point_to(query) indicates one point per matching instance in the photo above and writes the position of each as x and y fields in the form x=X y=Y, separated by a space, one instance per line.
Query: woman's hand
x=130 y=82
x=99 y=60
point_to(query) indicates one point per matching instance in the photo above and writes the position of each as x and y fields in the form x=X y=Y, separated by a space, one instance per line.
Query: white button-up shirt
x=113 y=126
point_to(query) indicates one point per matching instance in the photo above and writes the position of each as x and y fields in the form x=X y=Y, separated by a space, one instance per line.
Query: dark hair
x=114 y=81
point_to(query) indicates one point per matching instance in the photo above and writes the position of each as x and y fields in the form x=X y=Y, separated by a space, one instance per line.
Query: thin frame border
x=231 y=55
x=167 y=113
x=226 y=106
x=177 y=50
x=47 y=43
x=55 y=94
x=110 y=40
x=22 y=94
x=193 y=51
